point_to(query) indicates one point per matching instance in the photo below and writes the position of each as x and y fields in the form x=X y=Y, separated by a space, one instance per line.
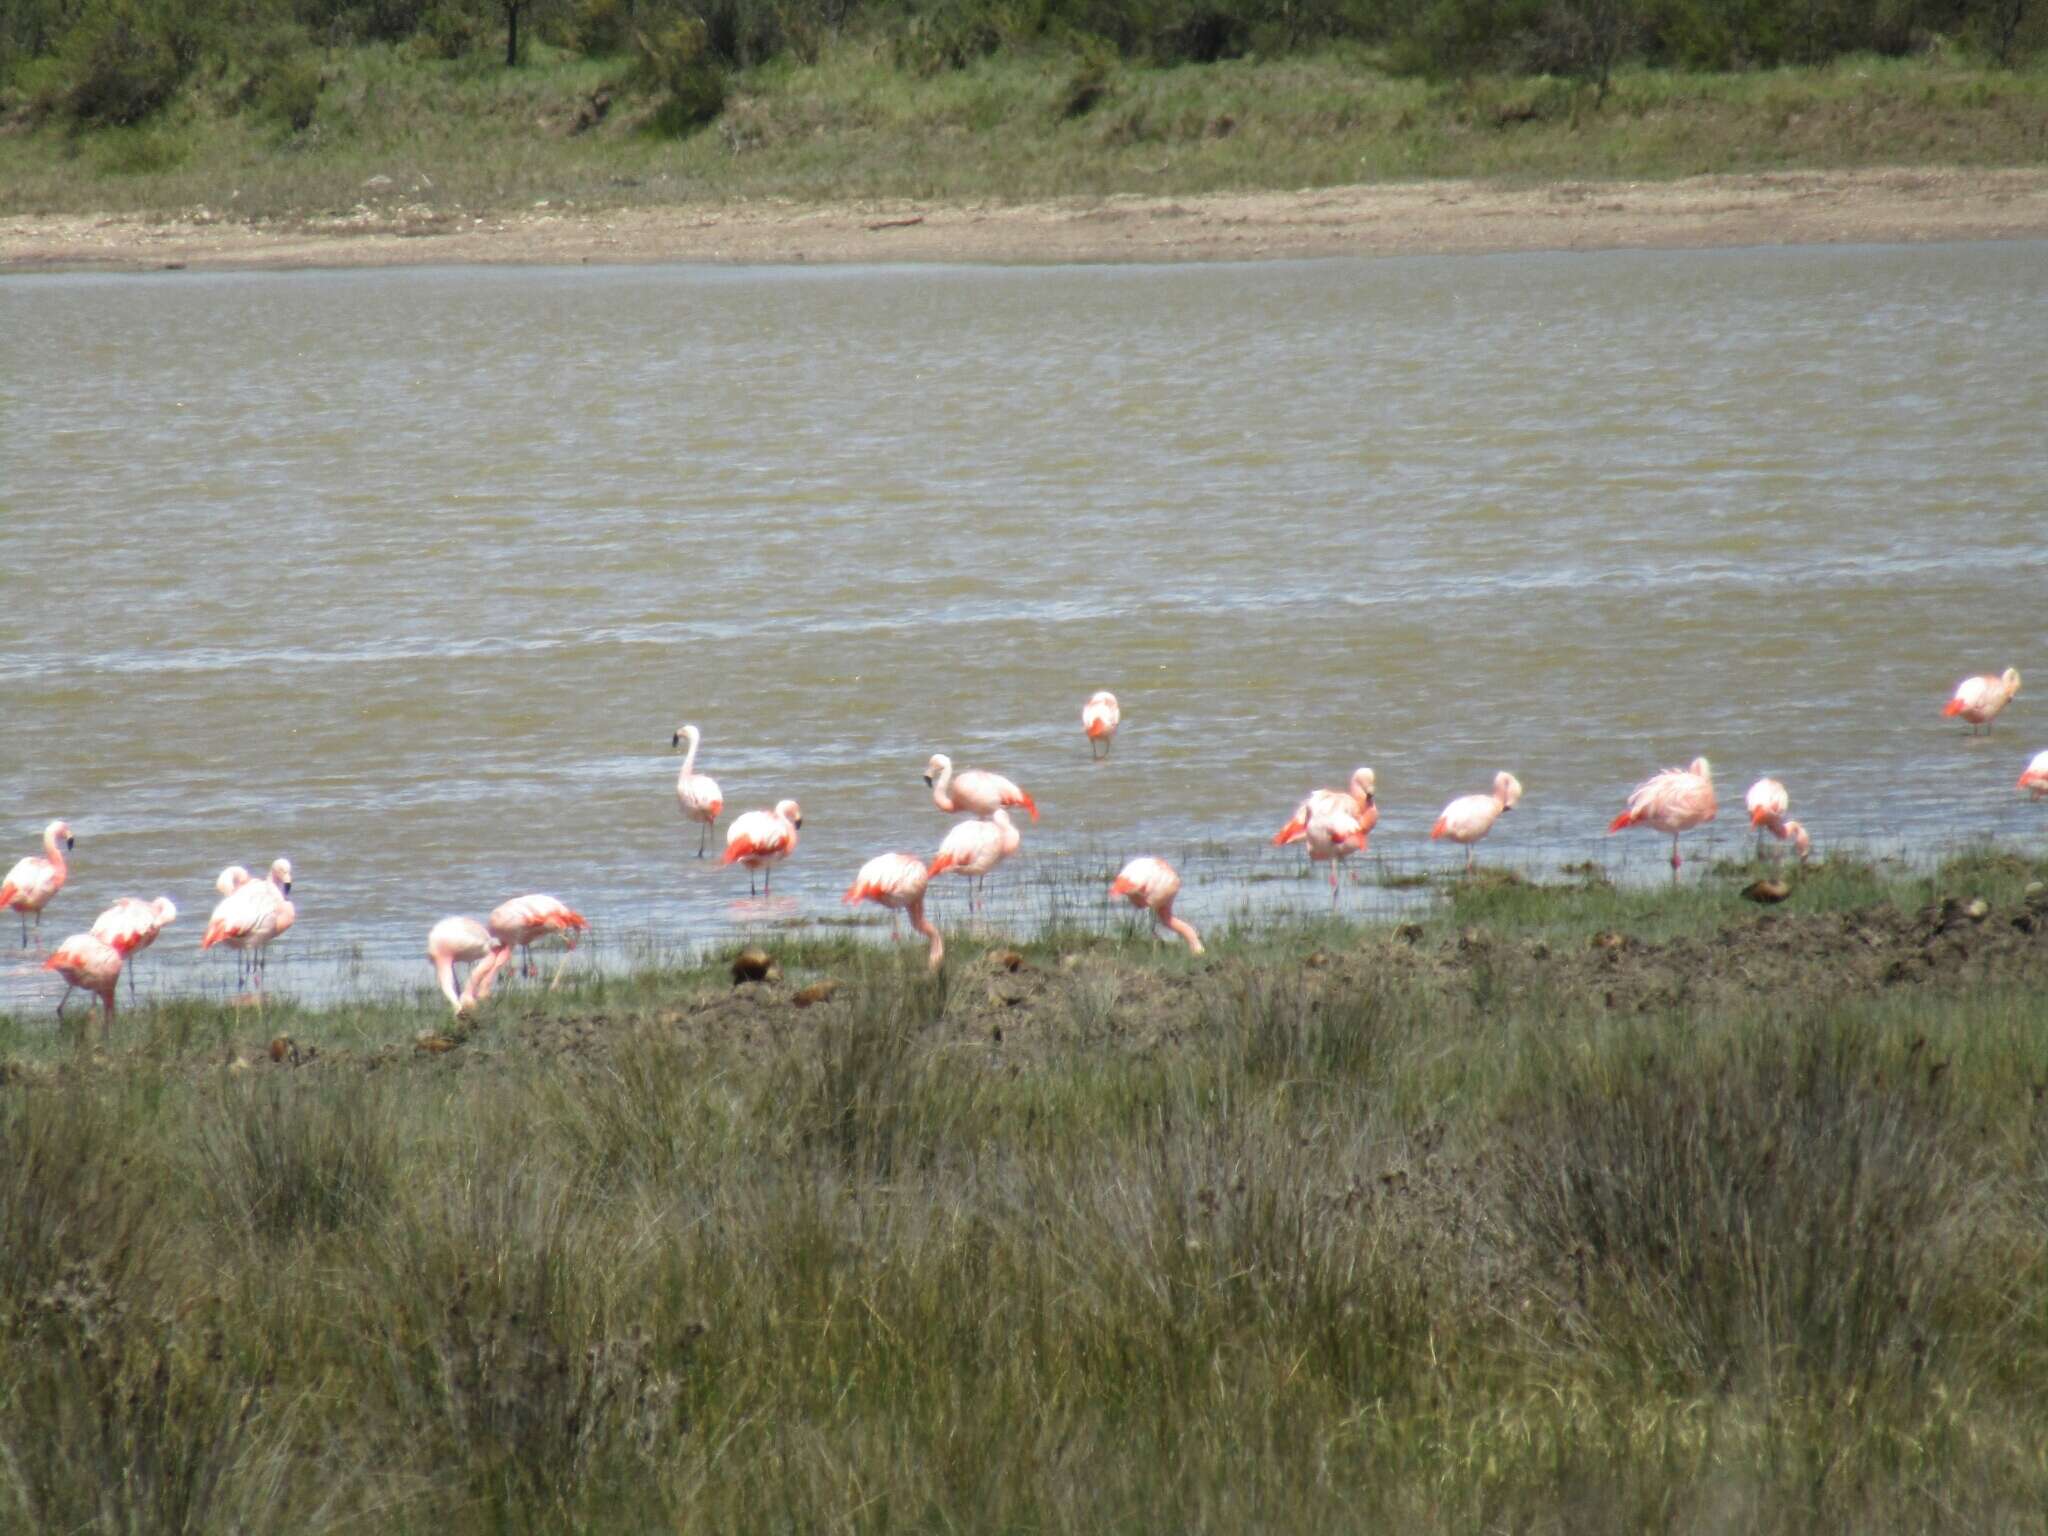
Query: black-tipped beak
x=927 y=781
x=676 y=740
x=798 y=823
x=70 y=842
x=1371 y=799
x=287 y=887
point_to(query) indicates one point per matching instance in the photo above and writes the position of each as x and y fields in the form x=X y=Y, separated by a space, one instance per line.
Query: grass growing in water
x=1557 y=1208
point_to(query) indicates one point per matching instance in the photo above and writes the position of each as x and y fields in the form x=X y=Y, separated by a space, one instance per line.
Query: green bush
x=121 y=62
x=677 y=62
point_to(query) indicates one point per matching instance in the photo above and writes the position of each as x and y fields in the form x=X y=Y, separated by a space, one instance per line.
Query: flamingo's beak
x=70 y=842
x=676 y=740
x=927 y=781
x=287 y=887
x=799 y=823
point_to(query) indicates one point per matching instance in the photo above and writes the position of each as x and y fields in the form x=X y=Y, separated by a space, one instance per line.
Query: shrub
x=122 y=63
x=677 y=62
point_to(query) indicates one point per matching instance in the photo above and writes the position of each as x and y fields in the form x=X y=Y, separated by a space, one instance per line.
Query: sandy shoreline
x=1789 y=208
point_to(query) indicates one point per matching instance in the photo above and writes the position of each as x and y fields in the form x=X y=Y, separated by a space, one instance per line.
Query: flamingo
x=88 y=964
x=254 y=915
x=466 y=941
x=1151 y=884
x=2035 y=779
x=131 y=925
x=1674 y=801
x=1335 y=823
x=972 y=789
x=763 y=839
x=897 y=881
x=696 y=793
x=1768 y=801
x=974 y=848
x=1100 y=718
x=1470 y=817
x=521 y=921
x=33 y=881
x=231 y=879
x=1979 y=699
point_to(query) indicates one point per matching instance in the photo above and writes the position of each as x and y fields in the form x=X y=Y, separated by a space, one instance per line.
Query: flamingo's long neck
x=54 y=846
x=942 y=789
x=925 y=926
x=1184 y=928
x=444 y=968
x=690 y=757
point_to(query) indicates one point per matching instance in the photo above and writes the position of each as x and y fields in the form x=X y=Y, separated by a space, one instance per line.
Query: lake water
x=410 y=575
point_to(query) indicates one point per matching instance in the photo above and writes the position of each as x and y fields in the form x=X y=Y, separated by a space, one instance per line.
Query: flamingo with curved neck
x=697 y=794
x=975 y=790
x=32 y=882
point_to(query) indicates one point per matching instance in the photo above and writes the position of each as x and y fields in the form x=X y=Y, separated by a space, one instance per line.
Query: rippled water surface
x=410 y=575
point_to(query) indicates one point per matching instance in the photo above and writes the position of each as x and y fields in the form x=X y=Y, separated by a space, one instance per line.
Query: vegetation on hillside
x=1562 y=1209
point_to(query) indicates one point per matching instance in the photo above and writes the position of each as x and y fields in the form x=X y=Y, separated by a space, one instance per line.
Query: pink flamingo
x=1673 y=802
x=1151 y=884
x=1796 y=835
x=897 y=881
x=523 y=920
x=763 y=839
x=1979 y=699
x=1335 y=823
x=696 y=793
x=1100 y=717
x=231 y=879
x=254 y=915
x=131 y=925
x=1768 y=801
x=2035 y=779
x=974 y=848
x=465 y=941
x=33 y=881
x=1470 y=817
x=90 y=965
x=973 y=789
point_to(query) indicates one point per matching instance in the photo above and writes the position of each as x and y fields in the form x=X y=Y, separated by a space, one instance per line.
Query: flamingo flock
x=1332 y=824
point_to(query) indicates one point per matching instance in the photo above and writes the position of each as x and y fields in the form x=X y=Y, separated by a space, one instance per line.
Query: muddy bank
x=1807 y=207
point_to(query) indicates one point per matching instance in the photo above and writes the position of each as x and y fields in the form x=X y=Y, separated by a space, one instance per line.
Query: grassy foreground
x=402 y=138
x=1563 y=1209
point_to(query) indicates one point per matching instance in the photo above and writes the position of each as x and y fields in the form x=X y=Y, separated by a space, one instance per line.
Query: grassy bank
x=1561 y=1209
x=418 y=141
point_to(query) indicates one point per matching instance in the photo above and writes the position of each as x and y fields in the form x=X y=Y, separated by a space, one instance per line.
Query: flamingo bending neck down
x=1150 y=885
x=1979 y=699
x=975 y=848
x=90 y=965
x=763 y=839
x=975 y=790
x=1673 y=802
x=1335 y=823
x=697 y=794
x=1100 y=717
x=253 y=916
x=1767 y=802
x=520 y=922
x=33 y=881
x=1470 y=817
x=897 y=881
x=2035 y=780
x=1796 y=835
x=131 y=925
x=465 y=941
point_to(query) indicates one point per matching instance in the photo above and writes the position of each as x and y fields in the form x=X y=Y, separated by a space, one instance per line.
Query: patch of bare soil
x=1788 y=208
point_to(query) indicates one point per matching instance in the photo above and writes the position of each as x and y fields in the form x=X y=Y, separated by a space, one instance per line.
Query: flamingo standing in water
x=1979 y=699
x=1470 y=817
x=974 y=848
x=520 y=922
x=131 y=925
x=763 y=839
x=973 y=789
x=465 y=941
x=897 y=881
x=1151 y=884
x=33 y=881
x=87 y=964
x=253 y=916
x=696 y=793
x=1100 y=717
x=1335 y=823
x=1768 y=801
x=2035 y=779
x=1673 y=802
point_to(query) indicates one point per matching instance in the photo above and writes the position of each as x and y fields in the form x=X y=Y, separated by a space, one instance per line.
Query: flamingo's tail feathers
x=939 y=865
x=215 y=932
x=1442 y=827
x=734 y=852
x=1097 y=729
x=857 y=892
x=714 y=808
x=574 y=922
x=1293 y=832
x=7 y=895
x=1123 y=887
x=1624 y=820
x=1952 y=707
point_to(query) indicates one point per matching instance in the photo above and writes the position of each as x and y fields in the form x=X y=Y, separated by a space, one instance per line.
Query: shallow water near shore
x=410 y=575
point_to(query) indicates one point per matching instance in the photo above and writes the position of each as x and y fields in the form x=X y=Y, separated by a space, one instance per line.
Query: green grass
x=467 y=137
x=1468 y=1224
